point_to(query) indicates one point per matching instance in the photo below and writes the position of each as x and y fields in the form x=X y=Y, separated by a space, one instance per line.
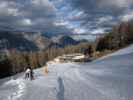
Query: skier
x=28 y=73
x=31 y=74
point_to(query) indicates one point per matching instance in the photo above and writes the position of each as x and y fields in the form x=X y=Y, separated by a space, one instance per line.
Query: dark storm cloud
x=101 y=13
x=29 y=15
x=63 y=16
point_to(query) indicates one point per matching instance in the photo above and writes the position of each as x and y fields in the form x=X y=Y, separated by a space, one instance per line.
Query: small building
x=77 y=57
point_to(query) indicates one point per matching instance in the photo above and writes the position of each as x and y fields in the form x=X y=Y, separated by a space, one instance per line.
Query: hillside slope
x=109 y=78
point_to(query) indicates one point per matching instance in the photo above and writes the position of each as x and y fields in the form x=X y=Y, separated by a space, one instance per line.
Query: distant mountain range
x=9 y=41
x=24 y=41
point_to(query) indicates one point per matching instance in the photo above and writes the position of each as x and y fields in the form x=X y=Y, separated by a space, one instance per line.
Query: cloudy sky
x=63 y=16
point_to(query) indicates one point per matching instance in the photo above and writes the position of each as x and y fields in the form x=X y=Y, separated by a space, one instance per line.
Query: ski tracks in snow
x=13 y=89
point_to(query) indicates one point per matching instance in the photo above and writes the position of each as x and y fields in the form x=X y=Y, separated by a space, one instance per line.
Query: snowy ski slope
x=108 y=78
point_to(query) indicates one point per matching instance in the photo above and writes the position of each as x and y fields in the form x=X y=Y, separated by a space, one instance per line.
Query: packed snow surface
x=108 y=78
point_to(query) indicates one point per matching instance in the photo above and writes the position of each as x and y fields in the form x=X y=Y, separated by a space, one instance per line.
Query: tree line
x=120 y=36
x=16 y=61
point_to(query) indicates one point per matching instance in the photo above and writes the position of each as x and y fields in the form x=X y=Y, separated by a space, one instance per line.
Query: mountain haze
x=23 y=41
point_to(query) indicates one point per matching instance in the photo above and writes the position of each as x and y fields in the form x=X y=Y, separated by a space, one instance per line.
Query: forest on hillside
x=16 y=61
x=120 y=36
